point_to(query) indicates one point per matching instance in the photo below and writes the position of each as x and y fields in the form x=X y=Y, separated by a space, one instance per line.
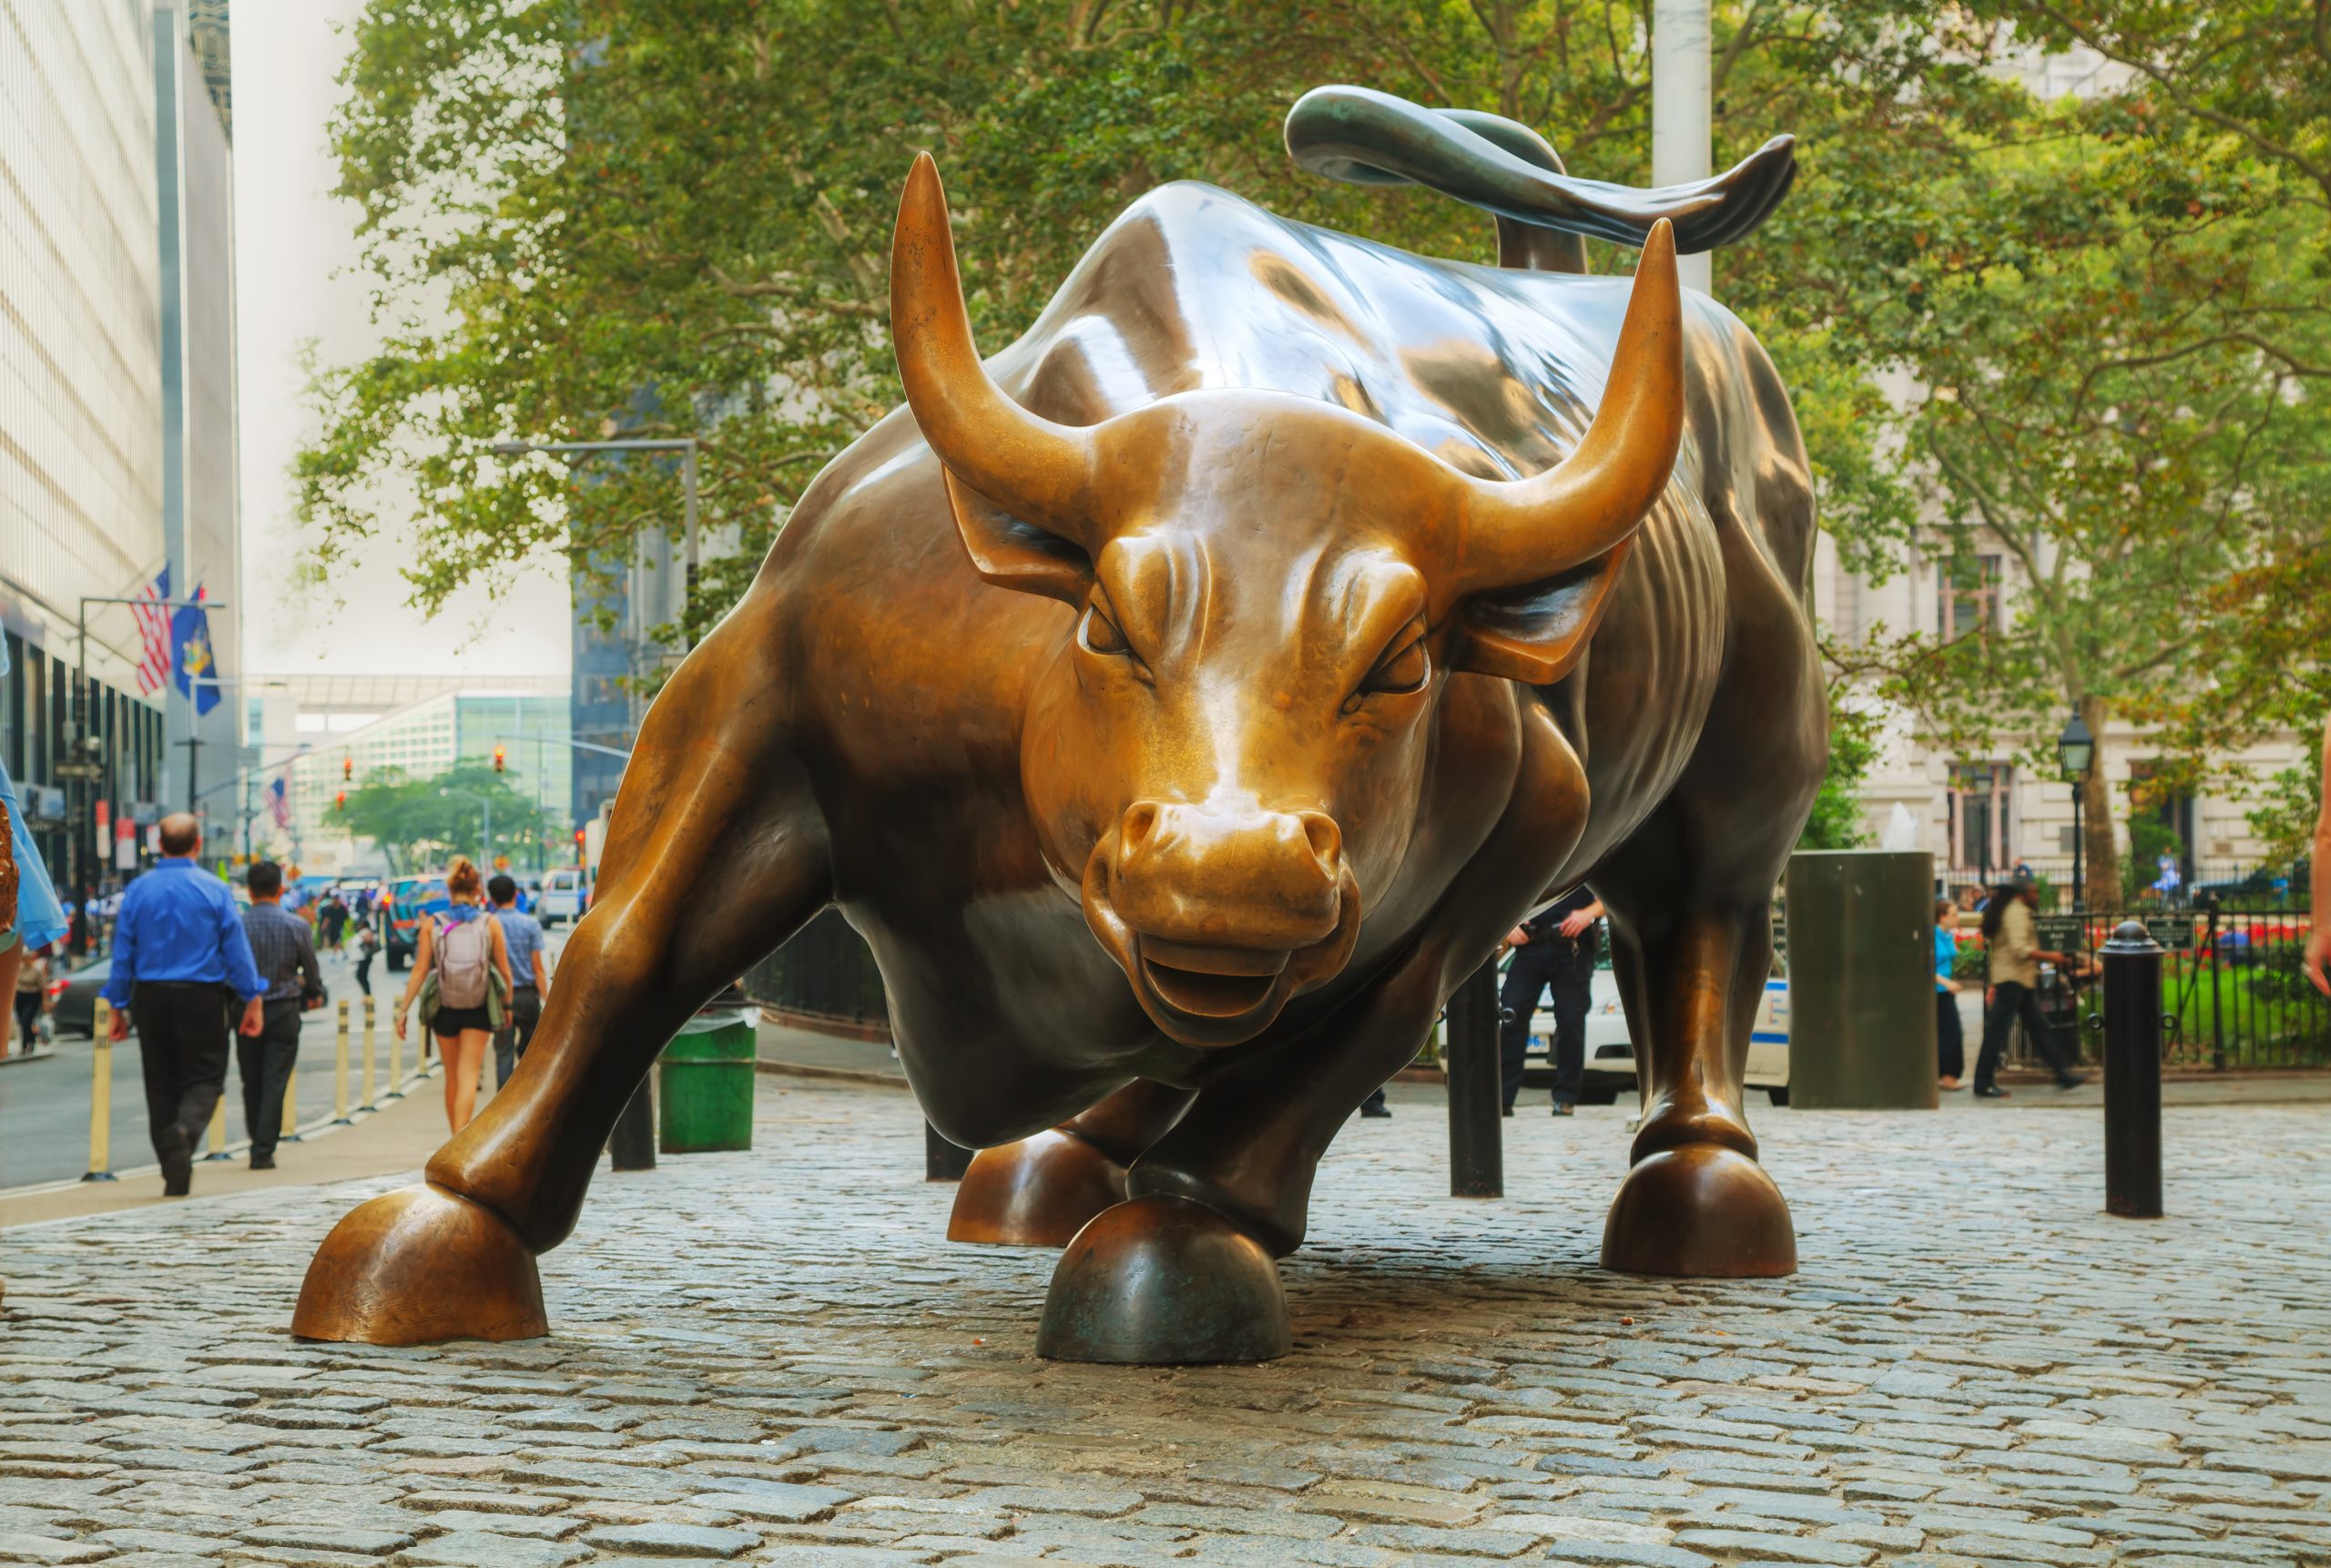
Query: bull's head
x=1270 y=594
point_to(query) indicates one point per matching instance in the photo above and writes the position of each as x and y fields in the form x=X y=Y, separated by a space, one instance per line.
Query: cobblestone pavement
x=774 y=1358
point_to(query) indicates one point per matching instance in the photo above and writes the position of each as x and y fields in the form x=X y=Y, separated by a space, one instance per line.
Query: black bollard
x=1476 y=1095
x=2132 y=1022
x=942 y=1161
x=633 y=1144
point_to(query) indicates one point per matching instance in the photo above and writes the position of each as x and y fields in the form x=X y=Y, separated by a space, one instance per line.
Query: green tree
x=420 y=822
x=1837 y=821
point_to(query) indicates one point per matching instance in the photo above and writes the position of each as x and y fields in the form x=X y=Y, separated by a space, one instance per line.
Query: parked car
x=566 y=893
x=74 y=999
x=411 y=898
x=1610 y=1051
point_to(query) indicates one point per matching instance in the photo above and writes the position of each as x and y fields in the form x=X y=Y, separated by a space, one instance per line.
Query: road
x=45 y=1104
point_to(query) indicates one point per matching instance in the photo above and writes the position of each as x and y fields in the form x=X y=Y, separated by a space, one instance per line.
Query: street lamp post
x=2076 y=755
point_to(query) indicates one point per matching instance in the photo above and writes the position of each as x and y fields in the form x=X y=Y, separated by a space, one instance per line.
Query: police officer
x=1552 y=950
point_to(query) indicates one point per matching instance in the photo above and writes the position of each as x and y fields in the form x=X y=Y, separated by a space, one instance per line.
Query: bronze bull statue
x=1183 y=702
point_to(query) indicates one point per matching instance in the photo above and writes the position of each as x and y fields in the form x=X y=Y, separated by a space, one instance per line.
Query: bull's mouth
x=1211 y=982
x=1211 y=996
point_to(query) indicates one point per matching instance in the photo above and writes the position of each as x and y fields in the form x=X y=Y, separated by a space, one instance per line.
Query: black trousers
x=2012 y=1000
x=1566 y=968
x=264 y=1062
x=364 y=972
x=1950 y=1037
x=182 y=1034
x=510 y=1043
x=28 y=1015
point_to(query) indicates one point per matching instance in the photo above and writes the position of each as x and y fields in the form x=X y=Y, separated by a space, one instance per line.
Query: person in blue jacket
x=180 y=963
x=30 y=916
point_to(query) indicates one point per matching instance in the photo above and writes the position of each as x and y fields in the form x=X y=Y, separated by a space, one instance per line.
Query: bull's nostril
x=1327 y=839
x=1139 y=820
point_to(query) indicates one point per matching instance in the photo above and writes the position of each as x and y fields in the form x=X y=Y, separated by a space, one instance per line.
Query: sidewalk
x=773 y=1357
x=399 y=1138
x=804 y=1053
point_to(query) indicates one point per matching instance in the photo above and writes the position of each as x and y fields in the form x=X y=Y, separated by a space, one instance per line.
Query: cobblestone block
x=664 y=1540
x=484 y=1549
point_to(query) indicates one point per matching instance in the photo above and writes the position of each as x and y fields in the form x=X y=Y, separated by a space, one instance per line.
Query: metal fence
x=2230 y=884
x=826 y=973
x=2232 y=991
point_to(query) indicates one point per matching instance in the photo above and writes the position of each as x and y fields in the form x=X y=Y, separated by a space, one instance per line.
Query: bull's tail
x=1509 y=170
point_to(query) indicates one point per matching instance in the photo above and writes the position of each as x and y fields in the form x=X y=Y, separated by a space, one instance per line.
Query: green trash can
x=706 y=1098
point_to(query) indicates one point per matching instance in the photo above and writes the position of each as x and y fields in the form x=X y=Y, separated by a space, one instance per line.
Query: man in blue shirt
x=522 y=935
x=180 y=961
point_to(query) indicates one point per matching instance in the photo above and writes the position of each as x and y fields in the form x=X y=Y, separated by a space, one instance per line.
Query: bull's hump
x=1194 y=287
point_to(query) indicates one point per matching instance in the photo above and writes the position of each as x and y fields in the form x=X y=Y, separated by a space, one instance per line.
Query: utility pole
x=1681 y=132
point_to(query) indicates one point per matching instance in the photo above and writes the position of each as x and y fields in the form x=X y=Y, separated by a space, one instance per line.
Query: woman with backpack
x=459 y=961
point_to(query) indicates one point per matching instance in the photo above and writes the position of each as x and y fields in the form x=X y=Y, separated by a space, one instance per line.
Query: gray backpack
x=464 y=953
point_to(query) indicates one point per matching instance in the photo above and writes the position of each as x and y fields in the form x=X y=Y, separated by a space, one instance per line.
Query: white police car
x=1610 y=1051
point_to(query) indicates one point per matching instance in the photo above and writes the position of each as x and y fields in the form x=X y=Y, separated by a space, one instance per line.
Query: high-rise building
x=82 y=471
x=201 y=521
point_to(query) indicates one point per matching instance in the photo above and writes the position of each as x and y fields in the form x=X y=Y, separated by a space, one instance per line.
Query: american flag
x=154 y=633
x=279 y=802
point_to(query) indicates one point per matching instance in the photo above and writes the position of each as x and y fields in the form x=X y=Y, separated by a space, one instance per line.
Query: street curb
x=830 y=1075
x=15 y=1058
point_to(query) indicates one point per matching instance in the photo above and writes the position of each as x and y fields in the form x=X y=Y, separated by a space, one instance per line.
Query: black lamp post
x=2076 y=755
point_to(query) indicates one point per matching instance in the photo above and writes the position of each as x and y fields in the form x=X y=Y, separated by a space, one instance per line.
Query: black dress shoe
x=2071 y=1081
x=262 y=1161
x=1990 y=1092
x=1376 y=1110
x=1565 y=1108
x=176 y=1150
x=1507 y=1112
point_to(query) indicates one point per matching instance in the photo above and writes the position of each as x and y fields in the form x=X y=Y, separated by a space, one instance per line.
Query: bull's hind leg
x=715 y=855
x=1040 y=1191
x=1696 y=1201
x=1690 y=895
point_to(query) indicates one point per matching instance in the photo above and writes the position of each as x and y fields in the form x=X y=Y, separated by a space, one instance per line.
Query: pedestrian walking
x=331 y=918
x=2013 y=953
x=521 y=938
x=32 y=991
x=181 y=961
x=30 y=916
x=459 y=956
x=1949 y=1038
x=287 y=962
x=1552 y=950
x=368 y=948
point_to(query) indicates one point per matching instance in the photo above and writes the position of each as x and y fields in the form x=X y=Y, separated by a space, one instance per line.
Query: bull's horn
x=1524 y=530
x=1033 y=468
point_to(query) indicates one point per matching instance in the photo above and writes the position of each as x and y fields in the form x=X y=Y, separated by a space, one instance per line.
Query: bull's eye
x=1403 y=668
x=1100 y=634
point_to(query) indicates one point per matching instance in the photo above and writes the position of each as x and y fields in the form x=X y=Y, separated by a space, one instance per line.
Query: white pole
x=1680 y=131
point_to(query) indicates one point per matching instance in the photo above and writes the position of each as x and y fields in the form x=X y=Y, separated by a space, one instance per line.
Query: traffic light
x=347 y=769
x=501 y=755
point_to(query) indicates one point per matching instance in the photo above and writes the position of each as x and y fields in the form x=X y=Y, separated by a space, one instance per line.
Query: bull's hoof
x=1038 y=1192
x=416 y=1266
x=1163 y=1281
x=1702 y=1211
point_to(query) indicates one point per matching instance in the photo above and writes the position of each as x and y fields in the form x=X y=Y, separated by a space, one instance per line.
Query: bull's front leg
x=715 y=855
x=1182 y=1272
x=1041 y=1191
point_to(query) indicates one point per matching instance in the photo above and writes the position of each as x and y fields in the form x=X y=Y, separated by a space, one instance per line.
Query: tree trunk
x=2104 y=869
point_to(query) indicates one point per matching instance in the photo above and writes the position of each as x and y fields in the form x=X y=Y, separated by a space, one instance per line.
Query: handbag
x=429 y=999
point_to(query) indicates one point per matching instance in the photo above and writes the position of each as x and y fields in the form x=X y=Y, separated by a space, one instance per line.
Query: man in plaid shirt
x=286 y=955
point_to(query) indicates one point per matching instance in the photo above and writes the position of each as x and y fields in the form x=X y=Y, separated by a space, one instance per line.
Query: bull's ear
x=1538 y=633
x=1014 y=554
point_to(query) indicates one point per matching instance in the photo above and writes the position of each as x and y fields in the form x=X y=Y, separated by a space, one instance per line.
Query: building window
x=1981 y=830
x=1970 y=596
